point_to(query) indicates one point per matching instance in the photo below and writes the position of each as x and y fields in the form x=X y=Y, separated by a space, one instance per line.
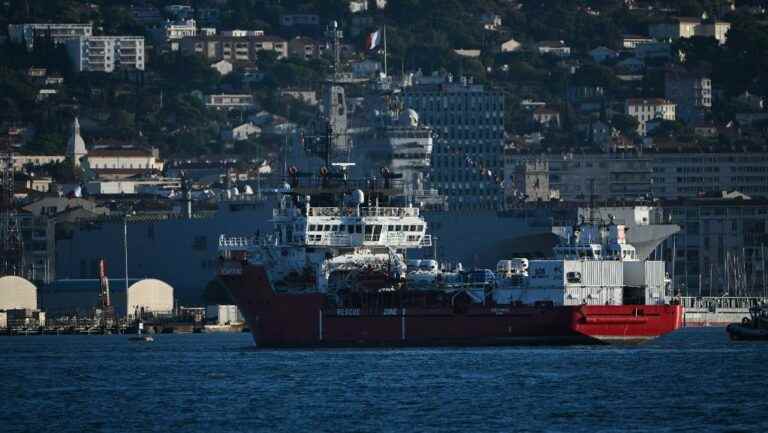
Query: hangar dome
x=154 y=296
x=17 y=292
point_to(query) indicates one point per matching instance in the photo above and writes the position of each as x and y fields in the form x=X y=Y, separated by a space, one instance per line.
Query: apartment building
x=576 y=177
x=233 y=49
x=690 y=92
x=646 y=110
x=687 y=27
x=468 y=120
x=174 y=31
x=230 y=102
x=107 y=53
x=58 y=33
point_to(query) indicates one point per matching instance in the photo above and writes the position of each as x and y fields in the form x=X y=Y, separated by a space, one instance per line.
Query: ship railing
x=237 y=242
x=375 y=211
x=722 y=302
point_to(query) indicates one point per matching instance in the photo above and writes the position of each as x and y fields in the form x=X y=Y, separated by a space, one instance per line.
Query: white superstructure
x=331 y=248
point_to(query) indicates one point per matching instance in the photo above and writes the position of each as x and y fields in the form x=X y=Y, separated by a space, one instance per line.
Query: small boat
x=141 y=338
x=754 y=327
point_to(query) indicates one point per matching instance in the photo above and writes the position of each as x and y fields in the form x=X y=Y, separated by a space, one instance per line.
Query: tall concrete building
x=107 y=53
x=468 y=120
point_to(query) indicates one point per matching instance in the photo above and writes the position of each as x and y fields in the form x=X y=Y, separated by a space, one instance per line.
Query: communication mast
x=11 y=245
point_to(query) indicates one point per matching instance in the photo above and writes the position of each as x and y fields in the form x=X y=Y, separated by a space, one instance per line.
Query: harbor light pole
x=125 y=247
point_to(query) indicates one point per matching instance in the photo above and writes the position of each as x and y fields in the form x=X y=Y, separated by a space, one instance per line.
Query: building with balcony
x=107 y=53
x=232 y=48
x=58 y=33
x=646 y=110
x=687 y=27
x=174 y=31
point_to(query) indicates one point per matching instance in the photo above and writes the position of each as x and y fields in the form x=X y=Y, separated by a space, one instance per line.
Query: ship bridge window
x=413 y=228
x=390 y=228
x=359 y=228
x=573 y=277
x=311 y=227
x=335 y=228
x=326 y=228
x=350 y=229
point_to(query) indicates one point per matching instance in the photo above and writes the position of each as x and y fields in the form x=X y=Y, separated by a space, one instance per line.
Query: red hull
x=303 y=320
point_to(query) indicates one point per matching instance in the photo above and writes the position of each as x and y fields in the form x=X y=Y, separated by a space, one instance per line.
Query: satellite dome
x=409 y=117
x=358 y=197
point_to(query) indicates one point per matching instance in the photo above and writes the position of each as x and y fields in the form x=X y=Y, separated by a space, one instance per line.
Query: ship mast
x=11 y=245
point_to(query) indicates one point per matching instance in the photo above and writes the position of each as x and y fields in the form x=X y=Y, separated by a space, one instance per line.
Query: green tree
x=625 y=123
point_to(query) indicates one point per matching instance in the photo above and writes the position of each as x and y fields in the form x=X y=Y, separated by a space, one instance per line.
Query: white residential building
x=174 y=31
x=633 y=41
x=685 y=27
x=241 y=132
x=510 y=46
x=241 y=33
x=107 y=53
x=556 y=48
x=58 y=33
x=646 y=110
x=230 y=102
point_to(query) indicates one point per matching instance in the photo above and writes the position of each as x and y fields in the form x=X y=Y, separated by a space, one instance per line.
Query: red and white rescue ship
x=334 y=273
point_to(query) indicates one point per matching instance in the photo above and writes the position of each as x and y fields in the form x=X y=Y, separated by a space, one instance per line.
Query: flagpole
x=385 y=51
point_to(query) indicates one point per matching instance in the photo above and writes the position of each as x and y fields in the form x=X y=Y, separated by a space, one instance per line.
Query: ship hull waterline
x=302 y=320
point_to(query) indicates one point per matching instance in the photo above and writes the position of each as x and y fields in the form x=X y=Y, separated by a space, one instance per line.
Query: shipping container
x=649 y=275
x=223 y=314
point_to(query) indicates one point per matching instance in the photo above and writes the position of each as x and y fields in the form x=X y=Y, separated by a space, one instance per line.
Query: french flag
x=374 y=40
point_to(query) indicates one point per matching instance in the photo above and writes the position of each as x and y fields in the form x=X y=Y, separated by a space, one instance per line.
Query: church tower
x=76 y=145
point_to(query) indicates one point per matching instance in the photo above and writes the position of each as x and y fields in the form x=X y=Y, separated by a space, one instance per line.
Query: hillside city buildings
x=468 y=119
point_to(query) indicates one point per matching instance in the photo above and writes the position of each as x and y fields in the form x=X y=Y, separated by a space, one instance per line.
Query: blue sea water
x=694 y=380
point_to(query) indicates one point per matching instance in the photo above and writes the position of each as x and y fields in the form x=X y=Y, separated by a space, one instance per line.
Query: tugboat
x=754 y=327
